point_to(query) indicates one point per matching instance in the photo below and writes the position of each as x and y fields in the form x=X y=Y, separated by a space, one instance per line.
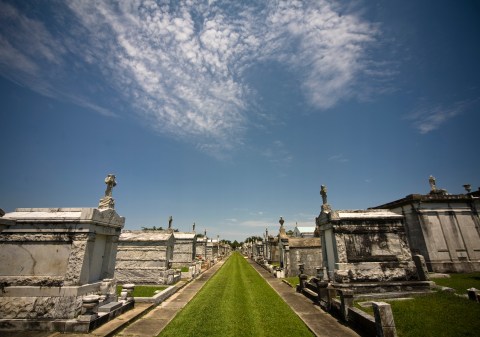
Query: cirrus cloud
x=180 y=67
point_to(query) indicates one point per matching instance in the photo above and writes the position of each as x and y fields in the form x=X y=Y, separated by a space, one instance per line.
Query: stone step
x=109 y=307
x=310 y=292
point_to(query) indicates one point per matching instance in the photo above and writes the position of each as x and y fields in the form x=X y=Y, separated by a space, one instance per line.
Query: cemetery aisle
x=320 y=322
x=155 y=321
x=236 y=302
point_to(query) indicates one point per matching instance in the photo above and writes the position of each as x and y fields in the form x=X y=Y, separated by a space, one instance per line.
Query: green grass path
x=236 y=301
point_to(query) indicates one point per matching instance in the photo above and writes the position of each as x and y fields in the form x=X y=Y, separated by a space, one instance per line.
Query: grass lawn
x=294 y=280
x=143 y=291
x=236 y=301
x=460 y=282
x=440 y=314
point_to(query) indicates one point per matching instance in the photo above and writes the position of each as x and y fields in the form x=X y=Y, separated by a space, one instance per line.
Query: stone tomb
x=306 y=251
x=367 y=251
x=367 y=245
x=224 y=249
x=304 y=231
x=443 y=227
x=144 y=257
x=50 y=259
x=273 y=253
x=184 y=250
x=212 y=249
x=201 y=248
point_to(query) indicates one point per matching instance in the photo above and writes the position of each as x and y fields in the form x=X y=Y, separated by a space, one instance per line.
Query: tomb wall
x=51 y=257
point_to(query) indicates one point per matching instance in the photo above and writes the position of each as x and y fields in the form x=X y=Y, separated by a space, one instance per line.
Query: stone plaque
x=34 y=259
x=374 y=247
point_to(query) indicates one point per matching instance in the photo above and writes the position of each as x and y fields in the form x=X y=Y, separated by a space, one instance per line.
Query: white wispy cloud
x=253 y=223
x=277 y=153
x=330 y=47
x=304 y=223
x=429 y=117
x=339 y=158
x=181 y=66
x=257 y=213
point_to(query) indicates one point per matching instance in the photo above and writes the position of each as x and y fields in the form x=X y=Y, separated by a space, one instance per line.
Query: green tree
x=153 y=228
x=235 y=244
x=253 y=239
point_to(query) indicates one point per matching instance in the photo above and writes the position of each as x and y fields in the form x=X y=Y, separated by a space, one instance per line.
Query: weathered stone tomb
x=201 y=247
x=443 y=227
x=184 y=250
x=306 y=251
x=51 y=258
x=366 y=250
x=304 y=231
x=144 y=257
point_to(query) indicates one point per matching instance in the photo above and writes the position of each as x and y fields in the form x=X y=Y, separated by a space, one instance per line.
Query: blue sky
x=232 y=114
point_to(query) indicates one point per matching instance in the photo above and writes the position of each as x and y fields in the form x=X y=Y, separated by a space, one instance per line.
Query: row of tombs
x=60 y=267
x=389 y=248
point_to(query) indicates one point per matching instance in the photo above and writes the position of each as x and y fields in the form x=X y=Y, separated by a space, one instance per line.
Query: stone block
x=109 y=307
x=384 y=321
x=421 y=266
x=346 y=299
x=473 y=294
x=87 y=318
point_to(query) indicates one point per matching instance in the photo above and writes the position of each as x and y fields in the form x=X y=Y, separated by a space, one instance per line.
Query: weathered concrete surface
x=365 y=246
x=307 y=251
x=443 y=228
x=143 y=257
x=51 y=258
x=184 y=250
x=105 y=330
x=317 y=320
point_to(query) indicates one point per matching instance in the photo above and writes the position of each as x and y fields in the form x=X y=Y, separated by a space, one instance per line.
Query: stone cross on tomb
x=170 y=220
x=323 y=193
x=433 y=185
x=111 y=183
x=107 y=201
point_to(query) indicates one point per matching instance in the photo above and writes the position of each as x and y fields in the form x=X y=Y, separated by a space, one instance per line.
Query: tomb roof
x=45 y=214
x=369 y=213
x=433 y=197
x=65 y=215
x=304 y=242
x=145 y=236
x=306 y=229
x=184 y=235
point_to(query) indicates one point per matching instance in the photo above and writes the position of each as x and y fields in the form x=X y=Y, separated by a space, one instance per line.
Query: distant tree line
x=154 y=228
x=254 y=239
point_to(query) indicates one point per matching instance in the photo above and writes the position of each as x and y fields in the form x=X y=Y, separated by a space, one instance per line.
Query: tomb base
x=64 y=325
x=385 y=271
x=147 y=275
x=389 y=289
